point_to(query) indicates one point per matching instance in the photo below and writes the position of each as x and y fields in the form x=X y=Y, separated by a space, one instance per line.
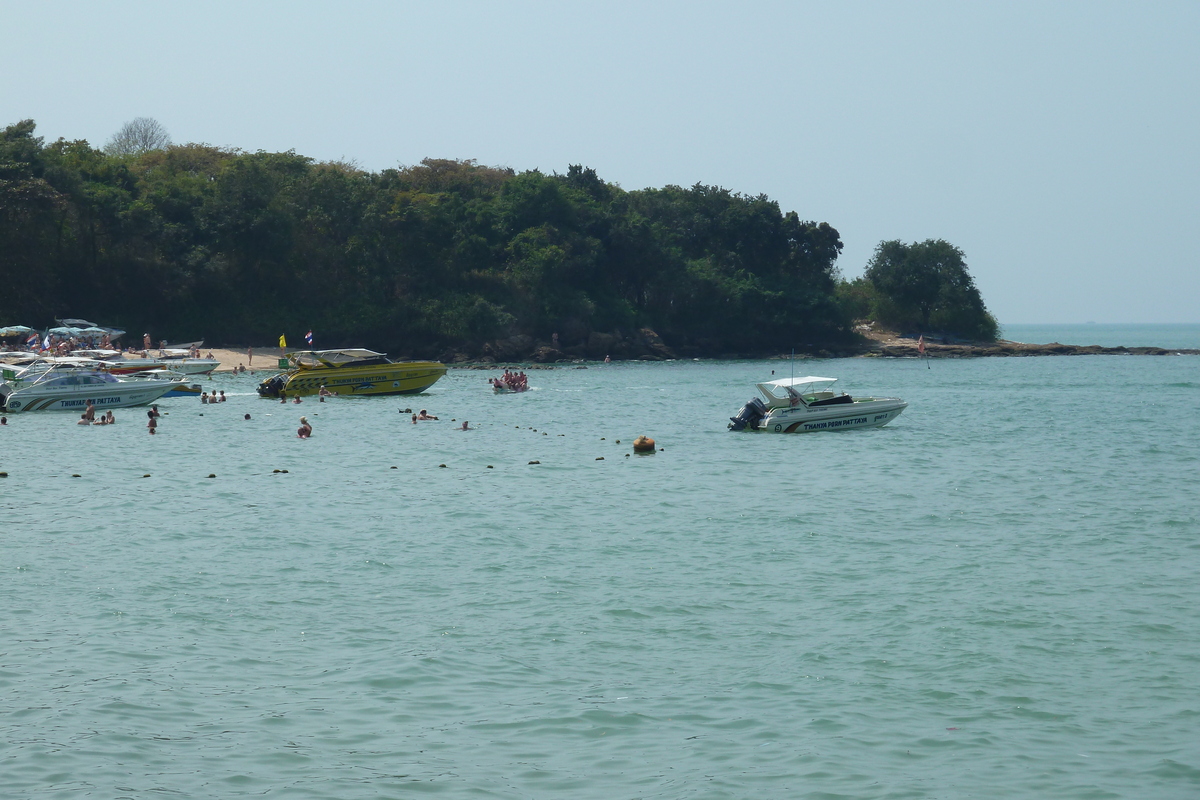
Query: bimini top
x=807 y=380
x=336 y=358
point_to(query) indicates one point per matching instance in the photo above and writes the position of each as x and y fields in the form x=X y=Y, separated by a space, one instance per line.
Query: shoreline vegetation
x=455 y=261
x=445 y=259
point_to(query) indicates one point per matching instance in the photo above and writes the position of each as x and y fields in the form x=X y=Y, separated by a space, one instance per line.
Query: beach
x=265 y=358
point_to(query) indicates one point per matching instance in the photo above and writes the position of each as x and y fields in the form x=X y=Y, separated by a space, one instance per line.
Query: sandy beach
x=265 y=358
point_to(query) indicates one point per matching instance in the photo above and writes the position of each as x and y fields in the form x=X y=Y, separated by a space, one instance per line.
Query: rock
x=545 y=354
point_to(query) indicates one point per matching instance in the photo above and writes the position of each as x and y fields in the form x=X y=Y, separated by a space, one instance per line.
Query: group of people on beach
x=512 y=381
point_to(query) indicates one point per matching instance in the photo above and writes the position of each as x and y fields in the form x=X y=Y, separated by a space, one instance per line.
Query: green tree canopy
x=192 y=241
x=926 y=285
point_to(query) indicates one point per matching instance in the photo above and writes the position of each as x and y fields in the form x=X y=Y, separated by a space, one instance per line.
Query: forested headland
x=446 y=258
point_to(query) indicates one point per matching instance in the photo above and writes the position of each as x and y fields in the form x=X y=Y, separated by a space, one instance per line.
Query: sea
x=994 y=596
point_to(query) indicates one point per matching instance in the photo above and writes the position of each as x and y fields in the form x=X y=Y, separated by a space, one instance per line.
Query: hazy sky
x=1055 y=143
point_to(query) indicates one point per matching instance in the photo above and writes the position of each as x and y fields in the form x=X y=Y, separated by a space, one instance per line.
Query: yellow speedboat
x=351 y=372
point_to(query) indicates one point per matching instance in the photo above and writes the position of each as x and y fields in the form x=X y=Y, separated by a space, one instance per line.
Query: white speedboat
x=802 y=405
x=61 y=387
x=174 y=360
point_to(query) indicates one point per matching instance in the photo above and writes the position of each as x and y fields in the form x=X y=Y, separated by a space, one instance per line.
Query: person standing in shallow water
x=305 y=430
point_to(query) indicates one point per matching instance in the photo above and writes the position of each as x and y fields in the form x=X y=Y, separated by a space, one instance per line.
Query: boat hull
x=410 y=377
x=119 y=396
x=871 y=412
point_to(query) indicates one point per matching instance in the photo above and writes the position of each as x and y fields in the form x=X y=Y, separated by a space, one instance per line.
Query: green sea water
x=993 y=596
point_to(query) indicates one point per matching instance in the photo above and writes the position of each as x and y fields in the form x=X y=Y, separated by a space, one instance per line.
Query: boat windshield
x=793 y=391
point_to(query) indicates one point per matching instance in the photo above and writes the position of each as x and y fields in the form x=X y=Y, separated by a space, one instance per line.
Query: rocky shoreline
x=887 y=344
x=646 y=345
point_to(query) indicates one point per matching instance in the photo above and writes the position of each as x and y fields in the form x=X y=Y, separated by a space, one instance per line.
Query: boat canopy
x=807 y=380
x=333 y=358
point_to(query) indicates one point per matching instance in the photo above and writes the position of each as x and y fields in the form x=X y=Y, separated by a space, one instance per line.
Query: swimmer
x=204 y=398
x=222 y=400
x=111 y=418
x=305 y=430
x=465 y=426
x=296 y=401
x=3 y=420
x=414 y=419
x=83 y=420
x=425 y=415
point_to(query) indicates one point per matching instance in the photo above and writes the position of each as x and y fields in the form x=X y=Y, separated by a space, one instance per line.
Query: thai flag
x=46 y=343
x=308 y=338
x=32 y=340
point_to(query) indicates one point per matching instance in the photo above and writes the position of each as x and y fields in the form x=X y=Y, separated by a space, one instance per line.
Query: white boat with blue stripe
x=70 y=387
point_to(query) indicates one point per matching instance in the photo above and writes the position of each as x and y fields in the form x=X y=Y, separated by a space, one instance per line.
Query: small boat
x=351 y=372
x=500 y=387
x=802 y=405
x=174 y=360
x=61 y=386
x=180 y=389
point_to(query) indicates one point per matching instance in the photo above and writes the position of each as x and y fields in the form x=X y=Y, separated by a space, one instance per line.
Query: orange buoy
x=643 y=444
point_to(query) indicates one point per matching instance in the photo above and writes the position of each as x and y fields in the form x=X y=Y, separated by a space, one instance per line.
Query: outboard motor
x=271 y=387
x=751 y=414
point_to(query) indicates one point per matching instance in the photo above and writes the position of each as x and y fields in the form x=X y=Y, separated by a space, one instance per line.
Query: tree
x=926 y=284
x=138 y=136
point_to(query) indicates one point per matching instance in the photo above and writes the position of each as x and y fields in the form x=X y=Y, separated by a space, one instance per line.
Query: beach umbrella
x=15 y=330
x=65 y=331
x=77 y=323
x=94 y=331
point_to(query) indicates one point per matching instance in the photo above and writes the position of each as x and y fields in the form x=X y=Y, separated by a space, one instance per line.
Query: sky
x=1056 y=143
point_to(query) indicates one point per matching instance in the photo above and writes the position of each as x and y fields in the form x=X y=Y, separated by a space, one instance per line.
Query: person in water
x=305 y=430
x=425 y=415
x=465 y=426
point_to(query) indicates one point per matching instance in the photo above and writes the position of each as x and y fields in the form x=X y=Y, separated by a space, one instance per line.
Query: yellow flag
x=282 y=341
